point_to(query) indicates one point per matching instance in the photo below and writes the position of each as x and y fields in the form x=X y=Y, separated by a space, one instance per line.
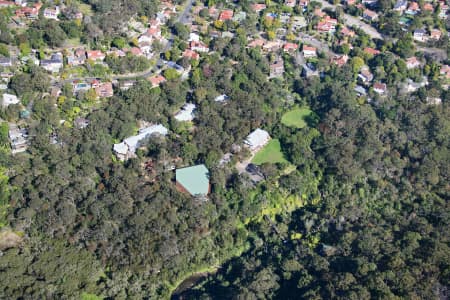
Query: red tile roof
x=191 y=54
x=258 y=7
x=371 y=51
x=95 y=55
x=226 y=15
x=156 y=80
x=290 y=47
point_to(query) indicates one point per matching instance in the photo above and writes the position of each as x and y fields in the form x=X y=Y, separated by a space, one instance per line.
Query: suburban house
x=127 y=148
x=198 y=46
x=146 y=48
x=420 y=35
x=290 y=3
x=95 y=55
x=256 y=43
x=347 y=32
x=194 y=37
x=379 y=88
x=29 y=12
x=193 y=180
x=444 y=8
x=428 y=7
x=309 y=51
x=370 y=15
x=226 y=15
x=9 y=99
x=413 y=9
x=371 y=51
x=152 y=34
x=365 y=75
x=54 y=64
x=156 y=80
x=298 y=22
x=240 y=16
x=309 y=70
x=6 y=62
x=191 y=54
x=52 y=13
x=433 y=100
x=445 y=71
x=290 y=47
x=78 y=58
x=272 y=46
x=435 y=34
x=127 y=84
x=340 y=60
x=411 y=86
x=256 y=140
x=303 y=4
x=222 y=98
x=400 y=6
x=186 y=114
x=327 y=25
x=258 y=7
x=277 y=68
x=104 y=90
x=18 y=138
x=412 y=62
x=369 y=2
x=4 y=4
x=116 y=52
x=319 y=13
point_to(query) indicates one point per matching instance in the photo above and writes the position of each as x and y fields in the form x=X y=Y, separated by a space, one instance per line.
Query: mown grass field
x=296 y=117
x=271 y=153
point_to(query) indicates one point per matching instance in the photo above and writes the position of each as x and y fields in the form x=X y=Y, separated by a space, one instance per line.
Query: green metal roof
x=194 y=179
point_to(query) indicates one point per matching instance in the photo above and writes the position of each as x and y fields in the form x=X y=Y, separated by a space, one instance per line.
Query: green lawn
x=271 y=153
x=296 y=117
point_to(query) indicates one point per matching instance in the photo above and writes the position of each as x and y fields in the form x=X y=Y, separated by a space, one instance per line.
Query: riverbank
x=192 y=280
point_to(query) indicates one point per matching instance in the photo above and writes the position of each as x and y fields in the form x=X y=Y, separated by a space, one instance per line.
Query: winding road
x=354 y=21
x=183 y=17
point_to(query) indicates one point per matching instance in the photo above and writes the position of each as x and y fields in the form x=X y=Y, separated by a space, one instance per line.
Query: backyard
x=296 y=118
x=271 y=153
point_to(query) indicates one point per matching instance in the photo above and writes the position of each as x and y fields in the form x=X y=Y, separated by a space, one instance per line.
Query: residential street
x=321 y=46
x=183 y=17
x=354 y=21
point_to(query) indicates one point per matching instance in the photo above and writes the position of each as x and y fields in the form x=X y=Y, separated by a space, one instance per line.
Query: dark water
x=188 y=284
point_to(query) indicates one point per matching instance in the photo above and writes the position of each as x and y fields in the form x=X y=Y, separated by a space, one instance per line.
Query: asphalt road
x=320 y=45
x=354 y=21
x=184 y=18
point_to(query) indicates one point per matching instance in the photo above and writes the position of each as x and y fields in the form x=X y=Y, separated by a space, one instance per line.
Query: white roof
x=222 y=98
x=120 y=148
x=257 y=138
x=132 y=142
x=187 y=113
x=194 y=37
x=154 y=129
x=9 y=99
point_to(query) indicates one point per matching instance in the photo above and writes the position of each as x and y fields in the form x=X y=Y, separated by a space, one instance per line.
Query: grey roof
x=187 y=113
x=257 y=138
x=131 y=143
